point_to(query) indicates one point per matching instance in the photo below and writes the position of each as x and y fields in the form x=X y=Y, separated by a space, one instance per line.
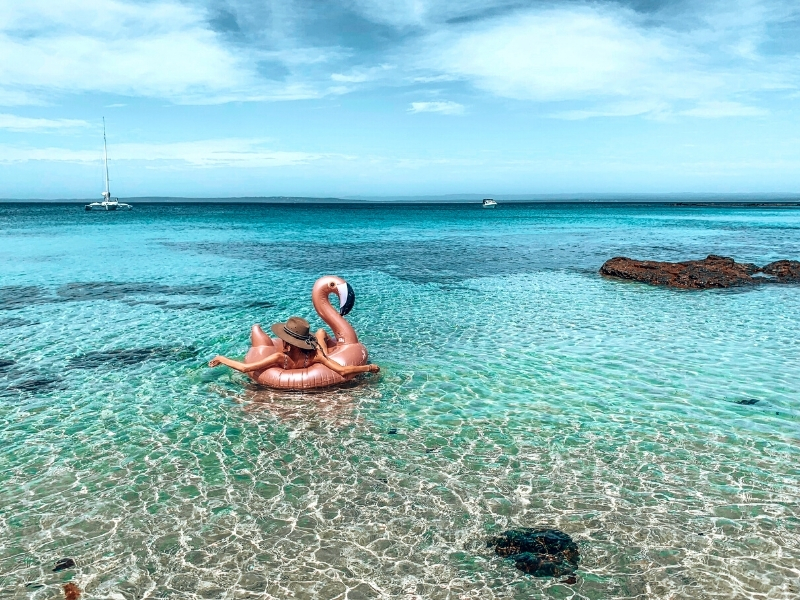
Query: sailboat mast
x=105 y=160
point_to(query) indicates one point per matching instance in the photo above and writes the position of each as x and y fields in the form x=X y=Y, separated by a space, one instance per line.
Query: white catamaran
x=108 y=202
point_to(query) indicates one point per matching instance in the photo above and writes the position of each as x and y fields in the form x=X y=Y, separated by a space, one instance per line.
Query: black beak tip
x=351 y=300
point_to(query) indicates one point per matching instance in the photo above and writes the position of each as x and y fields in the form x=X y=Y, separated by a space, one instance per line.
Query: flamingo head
x=338 y=286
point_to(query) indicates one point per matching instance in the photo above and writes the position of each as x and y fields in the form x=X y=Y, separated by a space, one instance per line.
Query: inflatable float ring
x=344 y=349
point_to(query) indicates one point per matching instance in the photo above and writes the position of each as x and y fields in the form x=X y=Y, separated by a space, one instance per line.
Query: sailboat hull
x=108 y=206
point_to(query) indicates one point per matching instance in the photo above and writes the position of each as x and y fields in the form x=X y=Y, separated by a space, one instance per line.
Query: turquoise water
x=518 y=388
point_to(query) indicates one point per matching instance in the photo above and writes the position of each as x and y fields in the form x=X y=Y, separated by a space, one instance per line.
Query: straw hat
x=295 y=331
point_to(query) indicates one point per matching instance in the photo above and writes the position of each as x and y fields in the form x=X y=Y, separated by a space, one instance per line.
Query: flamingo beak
x=347 y=298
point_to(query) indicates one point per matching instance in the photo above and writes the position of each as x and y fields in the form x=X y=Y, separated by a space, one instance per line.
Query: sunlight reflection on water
x=518 y=388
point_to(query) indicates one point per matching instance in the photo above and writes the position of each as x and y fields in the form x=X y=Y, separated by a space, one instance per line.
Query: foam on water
x=518 y=388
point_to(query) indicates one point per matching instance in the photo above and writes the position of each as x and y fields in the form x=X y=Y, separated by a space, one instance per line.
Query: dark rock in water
x=711 y=272
x=572 y=580
x=63 y=563
x=785 y=270
x=747 y=401
x=538 y=552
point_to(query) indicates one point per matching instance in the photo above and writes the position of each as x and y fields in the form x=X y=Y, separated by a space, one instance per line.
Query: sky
x=221 y=98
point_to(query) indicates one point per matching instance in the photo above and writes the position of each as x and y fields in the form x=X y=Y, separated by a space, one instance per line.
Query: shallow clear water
x=520 y=389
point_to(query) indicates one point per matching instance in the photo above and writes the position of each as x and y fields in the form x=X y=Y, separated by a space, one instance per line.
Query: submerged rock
x=537 y=551
x=63 y=563
x=711 y=272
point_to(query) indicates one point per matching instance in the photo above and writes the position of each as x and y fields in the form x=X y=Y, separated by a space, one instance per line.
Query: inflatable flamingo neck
x=342 y=330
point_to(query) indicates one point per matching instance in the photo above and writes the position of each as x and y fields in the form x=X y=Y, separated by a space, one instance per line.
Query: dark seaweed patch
x=129 y=356
x=150 y=302
x=191 y=306
x=165 y=304
x=37 y=384
x=449 y=260
x=11 y=323
x=113 y=290
x=21 y=296
x=260 y=304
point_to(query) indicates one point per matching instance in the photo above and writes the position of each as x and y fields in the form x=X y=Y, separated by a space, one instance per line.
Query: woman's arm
x=270 y=361
x=322 y=357
x=343 y=371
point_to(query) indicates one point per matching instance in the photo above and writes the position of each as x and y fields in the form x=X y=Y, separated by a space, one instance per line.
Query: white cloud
x=399 y=13
x=16 y=123
x=362 y=75
x=714 y=110
x=445 y=107
x=232 y=152
x=161 y=49
x=600 y=54
x=557 y=54
x=663 y=110
x=353 y=78
x=620 y=109
x=613 y=61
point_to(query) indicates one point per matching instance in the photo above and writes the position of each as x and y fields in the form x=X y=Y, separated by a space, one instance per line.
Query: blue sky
x=398 y=97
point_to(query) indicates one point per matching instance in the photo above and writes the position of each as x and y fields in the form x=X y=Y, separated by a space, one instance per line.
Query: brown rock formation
x=785 y=270
x=712 y=272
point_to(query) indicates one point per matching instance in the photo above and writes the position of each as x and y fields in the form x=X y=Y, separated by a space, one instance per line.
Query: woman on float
x=300 y=350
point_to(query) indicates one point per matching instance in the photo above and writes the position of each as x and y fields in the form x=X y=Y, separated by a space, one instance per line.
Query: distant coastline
x=677 y=199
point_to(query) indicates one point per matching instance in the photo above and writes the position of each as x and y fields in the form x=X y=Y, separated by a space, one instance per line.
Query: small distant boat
x=489 y=203
x=108 y=202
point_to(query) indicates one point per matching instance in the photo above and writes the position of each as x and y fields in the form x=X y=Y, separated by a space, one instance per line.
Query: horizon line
x=581 y=197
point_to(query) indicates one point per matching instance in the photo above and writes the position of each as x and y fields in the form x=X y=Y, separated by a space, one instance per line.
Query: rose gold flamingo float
x=344 y=349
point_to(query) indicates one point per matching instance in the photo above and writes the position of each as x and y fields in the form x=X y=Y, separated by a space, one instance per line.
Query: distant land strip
x=687 y=200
